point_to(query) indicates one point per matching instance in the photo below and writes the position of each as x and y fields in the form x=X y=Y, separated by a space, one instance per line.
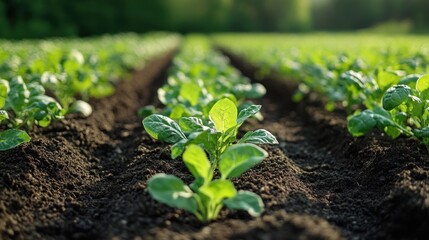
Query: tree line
x=45 y=18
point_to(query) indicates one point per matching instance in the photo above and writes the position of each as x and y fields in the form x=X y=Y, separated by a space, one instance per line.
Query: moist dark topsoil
x=85 y=178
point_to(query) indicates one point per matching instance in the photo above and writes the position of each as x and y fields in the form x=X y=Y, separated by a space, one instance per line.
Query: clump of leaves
x=213 y=135
x=205 y=197
x=405 y=111
x=22 y=105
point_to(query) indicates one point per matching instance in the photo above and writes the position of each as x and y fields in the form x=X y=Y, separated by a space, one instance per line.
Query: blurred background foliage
x=46 y=18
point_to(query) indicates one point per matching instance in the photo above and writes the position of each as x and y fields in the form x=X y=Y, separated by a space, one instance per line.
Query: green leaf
x=260 y=136
x=423 y=83
x=417 y=105
x=18 y=95
x=172 y=191
x=392 y=131
x=3 y=115
x=218 y=190
x=224 y=114
x=163 y=128
x=361 y=123
x=191 y=124
x=12 y=138
x=355 y=78
x=35 y=89
x=4 y=89
x=386 y=79
x=81 y=107
x=178 y=111
x=409 y=80
x=190 y=91
x=197 y=162
x=239 y=158
x=206 y=139
x=247 y=113
x=395 y=96
x=248 y=201
x=178 y=148
x=421 y=133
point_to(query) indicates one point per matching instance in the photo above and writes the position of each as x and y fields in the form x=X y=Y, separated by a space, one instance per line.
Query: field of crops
x=239 y=136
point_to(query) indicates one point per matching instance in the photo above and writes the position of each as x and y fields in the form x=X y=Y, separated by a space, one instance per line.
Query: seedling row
x=378 y=81
x=42 y=81
x=206 y=102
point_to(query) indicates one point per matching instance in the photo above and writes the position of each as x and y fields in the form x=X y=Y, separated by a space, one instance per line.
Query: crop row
x=205 y=103
x=41 y=81
x=380 y=81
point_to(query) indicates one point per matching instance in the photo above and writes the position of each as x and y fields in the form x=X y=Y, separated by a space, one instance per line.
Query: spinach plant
x=214 y=134
x=405 y=111
x=206 y=196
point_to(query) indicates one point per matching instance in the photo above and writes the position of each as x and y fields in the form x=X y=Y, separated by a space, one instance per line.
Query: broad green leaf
x=392 y=131
x=355 y=78
x=190 y=91
x=409 y=80
x=361 y=123
x=172 y=191
x=12 y=138
x=81 y=107
x=423 y=83
x=178 y=111
x=35 y=89
x=260 y=136
x=224 y=114
x=386 y=79
x=191 y=124
x=197 y=162
x=383 y=120
x=3 y=115
x=395 y=96
x=82 y=81
x=163 y=128
x=4 y=89
x=247 y=113
x=18 y=94
x=178 y=148
x=247 y=201
x=417 y=105
x=238 y=158
x=218 y=190
x=206 y=139
x=421 y=133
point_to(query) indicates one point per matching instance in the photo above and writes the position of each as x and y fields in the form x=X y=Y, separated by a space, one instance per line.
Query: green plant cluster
x=379 y=81
x=201 y=120
x=43 y=80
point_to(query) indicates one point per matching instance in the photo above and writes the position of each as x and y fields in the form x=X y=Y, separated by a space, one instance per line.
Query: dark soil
x=86 y=178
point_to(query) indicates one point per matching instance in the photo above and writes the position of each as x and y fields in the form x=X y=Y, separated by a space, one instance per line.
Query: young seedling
x=205 y=197
x=213 y=135
x=405 y=111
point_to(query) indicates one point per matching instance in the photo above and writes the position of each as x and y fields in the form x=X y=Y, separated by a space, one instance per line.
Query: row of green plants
x=380 y=81
x=43 y=80
x=205 y=103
